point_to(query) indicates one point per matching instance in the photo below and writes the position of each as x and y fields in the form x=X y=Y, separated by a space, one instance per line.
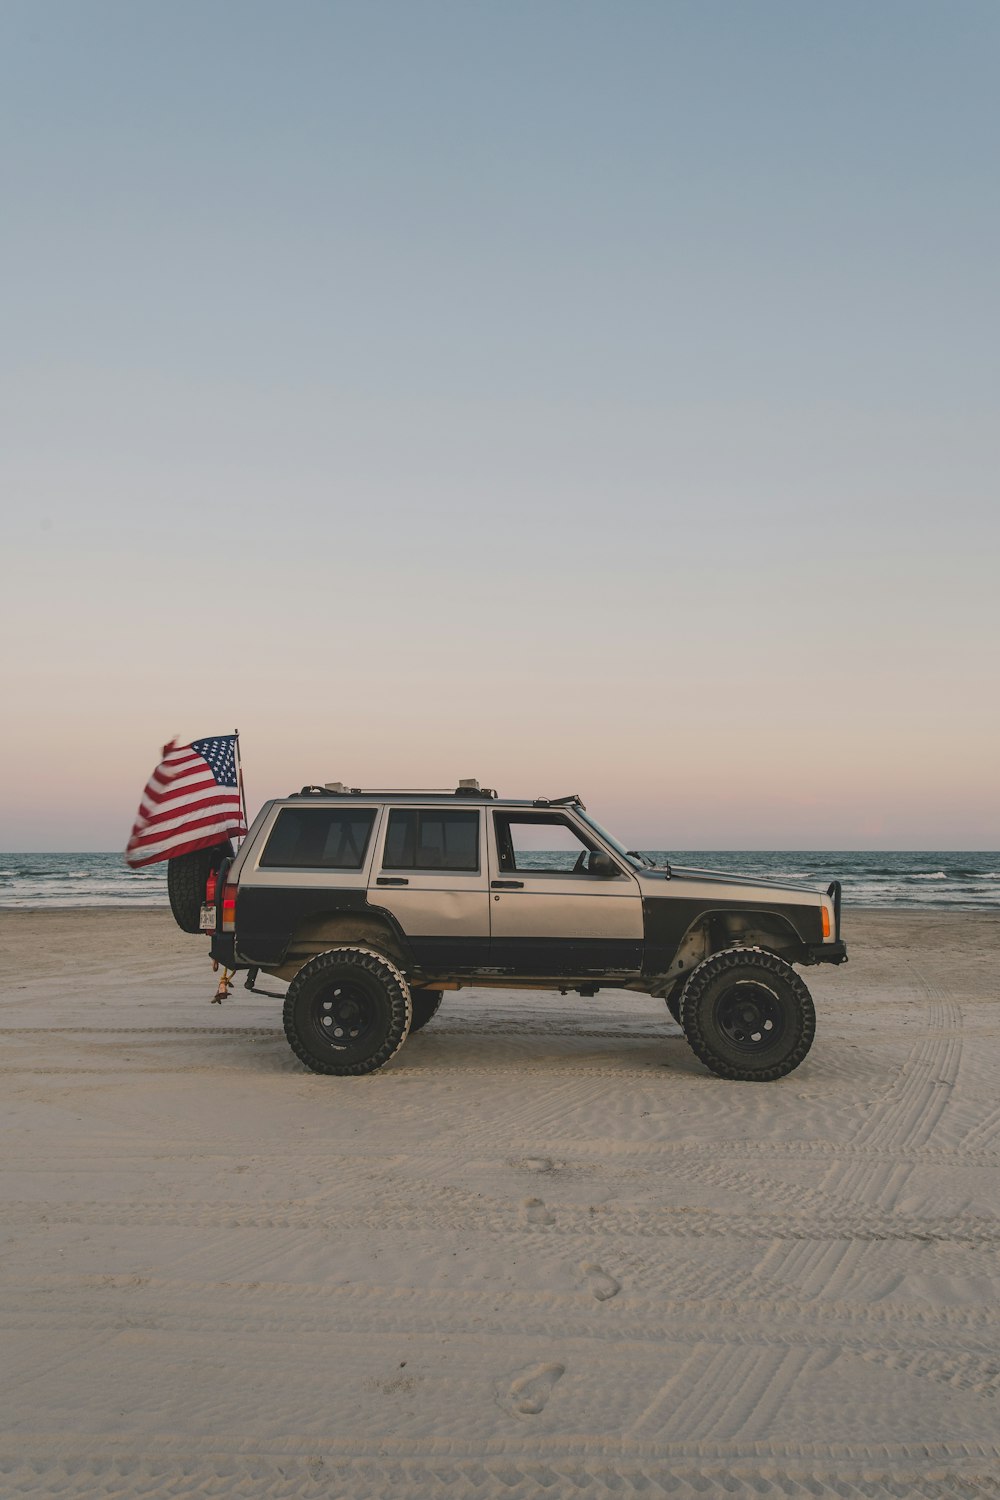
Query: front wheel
x=747 y=1015
x=347 y=1011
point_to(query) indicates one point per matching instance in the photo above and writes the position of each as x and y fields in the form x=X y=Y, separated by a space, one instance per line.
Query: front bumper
x=827 y=953
x=835 y=952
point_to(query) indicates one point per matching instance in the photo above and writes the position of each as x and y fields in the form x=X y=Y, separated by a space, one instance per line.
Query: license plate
x=207 y=923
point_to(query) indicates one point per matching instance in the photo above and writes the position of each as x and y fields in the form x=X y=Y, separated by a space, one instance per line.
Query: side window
x=542 y=843
x=426 y=839
x=319 y=838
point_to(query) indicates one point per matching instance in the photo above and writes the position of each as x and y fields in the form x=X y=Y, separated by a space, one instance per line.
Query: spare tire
x=186 y=877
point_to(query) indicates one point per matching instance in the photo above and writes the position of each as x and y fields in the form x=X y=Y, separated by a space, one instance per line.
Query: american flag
x=193 y=800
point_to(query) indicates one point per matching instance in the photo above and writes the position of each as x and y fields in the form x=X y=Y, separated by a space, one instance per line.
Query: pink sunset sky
x=595 y=399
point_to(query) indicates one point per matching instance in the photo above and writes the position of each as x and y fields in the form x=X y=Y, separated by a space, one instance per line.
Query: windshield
x=636 y=860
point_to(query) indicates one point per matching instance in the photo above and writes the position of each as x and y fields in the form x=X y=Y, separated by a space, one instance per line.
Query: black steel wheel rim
x=750 y=1016
x=343 y=1015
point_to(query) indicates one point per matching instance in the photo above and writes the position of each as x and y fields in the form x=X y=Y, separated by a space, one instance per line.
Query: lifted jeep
x=372 y=903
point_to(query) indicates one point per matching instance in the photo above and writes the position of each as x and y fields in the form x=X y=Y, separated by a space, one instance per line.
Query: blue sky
x=579 y=395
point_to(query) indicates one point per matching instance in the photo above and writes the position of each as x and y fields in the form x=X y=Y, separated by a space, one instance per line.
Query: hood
x=722 y=877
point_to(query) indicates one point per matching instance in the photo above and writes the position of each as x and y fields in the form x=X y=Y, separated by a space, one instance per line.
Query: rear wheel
x=347 y=1011
x=747 y=1015
x=426 y=1004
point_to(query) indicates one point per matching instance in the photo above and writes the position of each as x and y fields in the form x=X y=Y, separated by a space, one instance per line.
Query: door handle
x=507 y=885
x=391 y=880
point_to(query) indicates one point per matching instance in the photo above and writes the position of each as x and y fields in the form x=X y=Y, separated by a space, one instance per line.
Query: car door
x=430 y=872
x=551 y=913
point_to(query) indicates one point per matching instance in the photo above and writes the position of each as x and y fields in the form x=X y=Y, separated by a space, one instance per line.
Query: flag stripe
x=211 y=813
x=168 y=848
x=175 y=788
x=172 y=763
x=172 y=817
x=168 y=772
x=198 y=795
x=205 y=842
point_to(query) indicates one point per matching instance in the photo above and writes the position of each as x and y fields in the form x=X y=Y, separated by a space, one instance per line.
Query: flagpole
x=239 y=774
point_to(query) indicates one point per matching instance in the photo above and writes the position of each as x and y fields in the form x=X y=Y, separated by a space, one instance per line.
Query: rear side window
x=319 y=838
x=431 y=840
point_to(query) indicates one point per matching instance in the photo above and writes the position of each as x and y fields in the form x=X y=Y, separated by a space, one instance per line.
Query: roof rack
x=572 y=800
x=467 y=788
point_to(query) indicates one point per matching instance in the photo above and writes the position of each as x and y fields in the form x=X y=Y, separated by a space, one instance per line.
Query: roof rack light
x=469 y=787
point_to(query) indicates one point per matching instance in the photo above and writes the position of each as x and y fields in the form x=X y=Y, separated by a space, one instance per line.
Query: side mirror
x=602 y=864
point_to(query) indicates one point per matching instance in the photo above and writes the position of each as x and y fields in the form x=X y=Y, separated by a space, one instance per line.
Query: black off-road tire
x=747 y=1015
x=186 y=877
x=426 y=1004
x=347 y=1012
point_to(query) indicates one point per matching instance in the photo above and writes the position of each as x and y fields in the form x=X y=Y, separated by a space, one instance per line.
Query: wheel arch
x=373 y=927
x=717 y=928
x=750 y=927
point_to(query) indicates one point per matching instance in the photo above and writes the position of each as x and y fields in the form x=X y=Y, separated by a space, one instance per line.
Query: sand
x=543 y=1252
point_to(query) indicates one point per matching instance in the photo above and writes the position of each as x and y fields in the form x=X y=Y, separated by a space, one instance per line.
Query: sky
x=585 y=397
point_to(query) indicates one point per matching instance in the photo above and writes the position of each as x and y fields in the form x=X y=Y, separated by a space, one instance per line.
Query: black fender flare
x=361 y=913
x=759 y=920
x=671 y=948
x=392 y=922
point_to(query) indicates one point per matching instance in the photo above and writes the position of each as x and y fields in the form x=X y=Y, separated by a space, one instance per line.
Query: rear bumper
x=223 y=949
x=827 y=953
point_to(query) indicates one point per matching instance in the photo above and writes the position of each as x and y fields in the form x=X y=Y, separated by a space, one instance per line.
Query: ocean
x=943 y=880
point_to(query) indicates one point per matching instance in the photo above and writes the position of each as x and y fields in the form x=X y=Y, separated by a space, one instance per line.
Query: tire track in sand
x=452 y=1209
x=744 y=1391
x=885 y=1475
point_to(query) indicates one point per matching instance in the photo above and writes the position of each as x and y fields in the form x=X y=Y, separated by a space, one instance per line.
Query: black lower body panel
x=267 y=916
x=546 y=955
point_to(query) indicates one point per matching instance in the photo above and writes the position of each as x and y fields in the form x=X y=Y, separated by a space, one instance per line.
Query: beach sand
x=543 y=1252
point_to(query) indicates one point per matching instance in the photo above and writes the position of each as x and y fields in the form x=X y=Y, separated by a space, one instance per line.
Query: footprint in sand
x=602 y=1286
x=529 y=1391
x=533 y=1211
